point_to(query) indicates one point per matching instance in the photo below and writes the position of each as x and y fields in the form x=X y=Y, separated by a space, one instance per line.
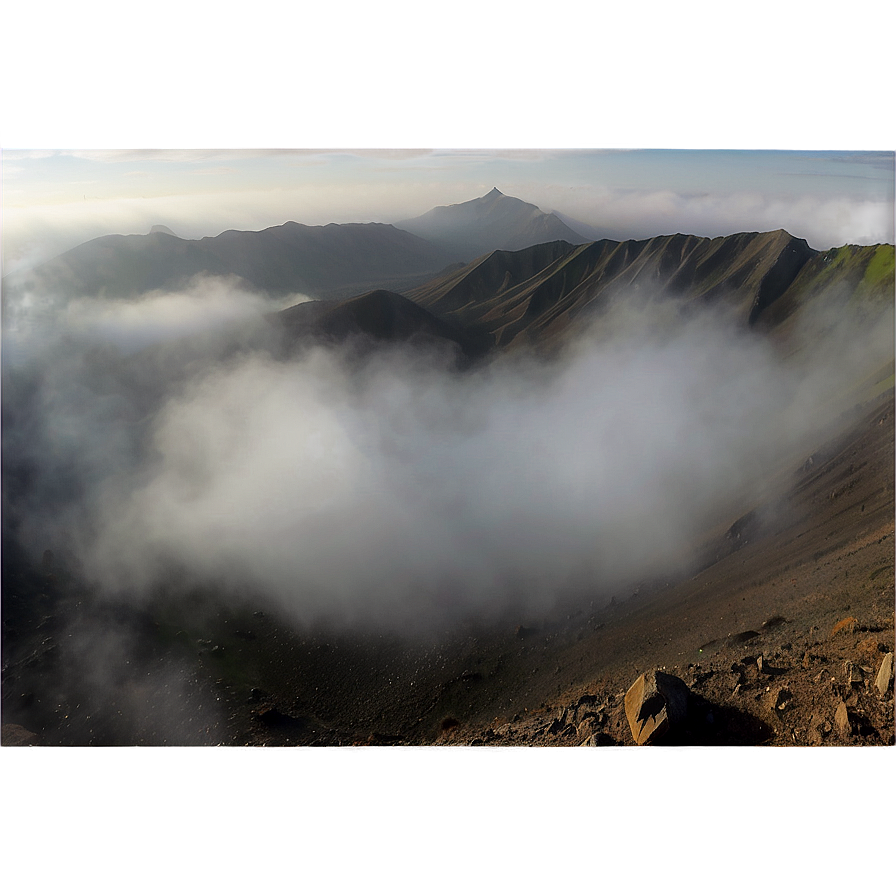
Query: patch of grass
x=880 y=269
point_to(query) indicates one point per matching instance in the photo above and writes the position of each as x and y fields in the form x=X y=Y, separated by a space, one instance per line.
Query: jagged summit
x=493 y=221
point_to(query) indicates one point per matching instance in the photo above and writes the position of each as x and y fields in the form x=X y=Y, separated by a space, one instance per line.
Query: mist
x=387 y=490
x=824 y=221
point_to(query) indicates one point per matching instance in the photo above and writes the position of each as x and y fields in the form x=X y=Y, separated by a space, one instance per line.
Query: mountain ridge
x=506 y=294
x=503 y=297
x=287 y=258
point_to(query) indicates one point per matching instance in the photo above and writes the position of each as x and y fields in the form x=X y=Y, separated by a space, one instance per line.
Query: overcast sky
x=688 y=76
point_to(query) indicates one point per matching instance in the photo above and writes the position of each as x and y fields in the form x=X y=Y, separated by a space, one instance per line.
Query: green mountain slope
x=536 y=293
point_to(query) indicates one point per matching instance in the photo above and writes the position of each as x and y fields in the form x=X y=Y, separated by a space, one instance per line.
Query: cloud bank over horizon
x=54 y=201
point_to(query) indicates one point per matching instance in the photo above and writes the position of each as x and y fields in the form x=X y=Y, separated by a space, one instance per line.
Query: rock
x=854 y=676
x=842 y=720
x=555 y=727
x=587 y=725
x=656 y=704
x=780 y=699
x=847 y=625
x=885 y=674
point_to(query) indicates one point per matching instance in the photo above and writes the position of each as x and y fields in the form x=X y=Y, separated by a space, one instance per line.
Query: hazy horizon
x=638 y=118
x=54 y=200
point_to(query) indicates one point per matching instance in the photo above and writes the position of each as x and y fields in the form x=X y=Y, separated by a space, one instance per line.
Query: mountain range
x=532 y=277
x=331 y=261
x=288 y=258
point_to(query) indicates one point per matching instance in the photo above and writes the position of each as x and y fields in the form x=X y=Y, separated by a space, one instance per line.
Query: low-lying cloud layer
x=823 y=221
x=393 y=491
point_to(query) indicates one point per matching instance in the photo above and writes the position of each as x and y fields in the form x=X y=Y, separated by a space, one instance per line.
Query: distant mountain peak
x=161 y=228
x=493 y=221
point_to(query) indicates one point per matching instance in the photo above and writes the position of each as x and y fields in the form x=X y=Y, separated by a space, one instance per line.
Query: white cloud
x=392 y=492
x=823 y=221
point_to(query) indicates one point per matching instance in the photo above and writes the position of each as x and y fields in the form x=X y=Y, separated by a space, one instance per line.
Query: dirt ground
x=780 y=638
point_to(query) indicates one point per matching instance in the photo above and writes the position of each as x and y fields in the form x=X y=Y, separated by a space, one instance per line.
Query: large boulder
x=655 y=705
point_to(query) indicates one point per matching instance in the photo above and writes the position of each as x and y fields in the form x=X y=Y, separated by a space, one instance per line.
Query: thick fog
x=388 y=489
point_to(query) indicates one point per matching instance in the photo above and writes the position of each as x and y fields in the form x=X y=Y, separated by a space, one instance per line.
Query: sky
x=683 y=77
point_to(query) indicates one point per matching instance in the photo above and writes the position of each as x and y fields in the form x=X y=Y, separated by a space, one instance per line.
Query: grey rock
x=656 y=704
x=885 y=674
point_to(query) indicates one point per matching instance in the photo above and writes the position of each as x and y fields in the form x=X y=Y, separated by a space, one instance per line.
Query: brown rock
x=842 y=720
x=555 y=727
x=854 y=676
x=885 y=674
x=654 y=705
x=847 y=625
x=780 y=699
